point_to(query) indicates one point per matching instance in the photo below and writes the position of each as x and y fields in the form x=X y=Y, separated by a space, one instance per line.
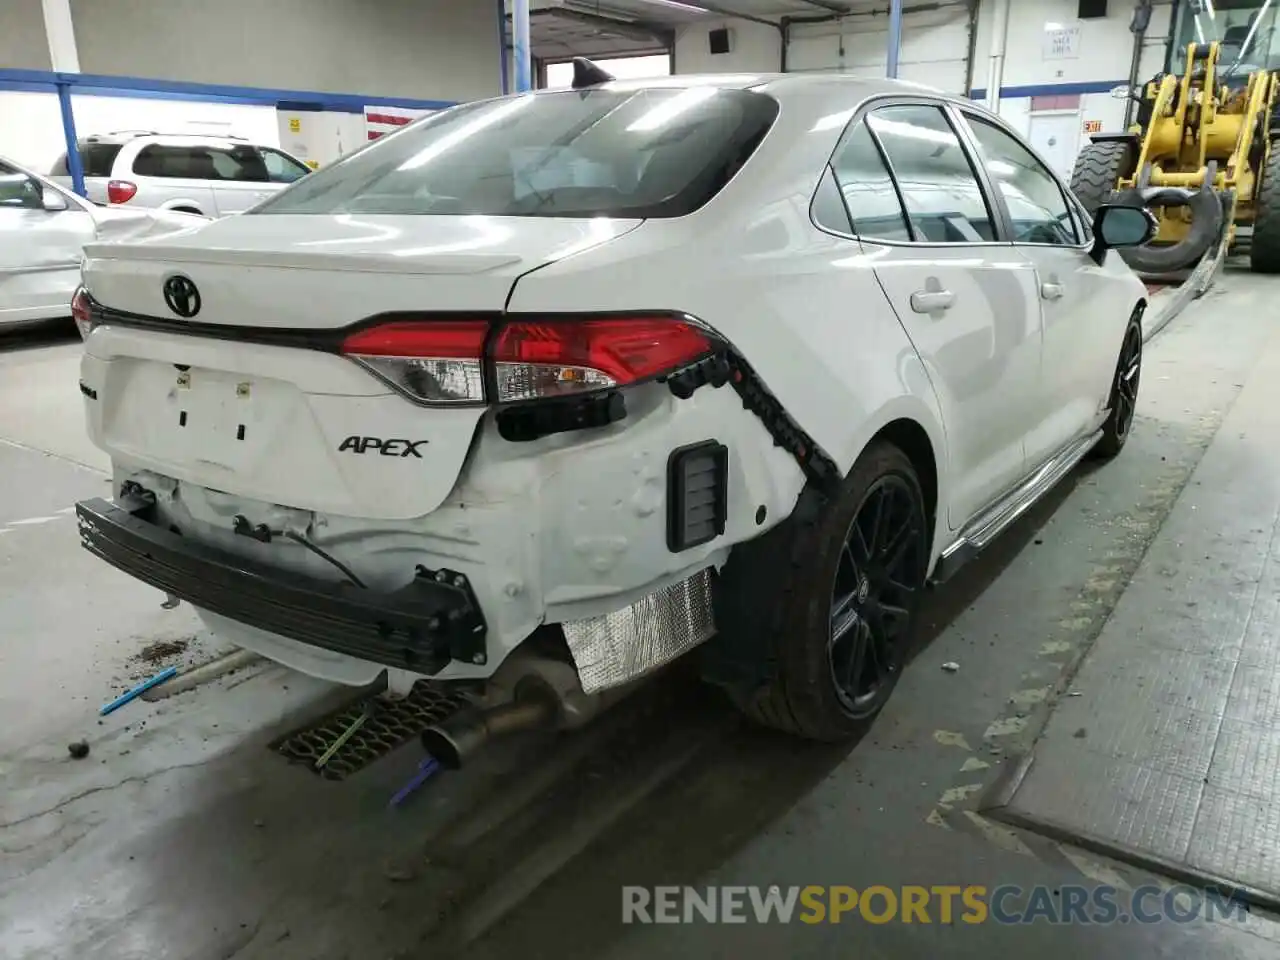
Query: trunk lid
x=289 y=425
x=322 y=272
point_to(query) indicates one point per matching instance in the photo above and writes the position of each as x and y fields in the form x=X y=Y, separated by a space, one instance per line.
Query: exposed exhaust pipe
x=529 y=692
x=468 y=730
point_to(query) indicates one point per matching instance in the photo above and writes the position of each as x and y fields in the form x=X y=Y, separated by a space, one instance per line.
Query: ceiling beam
x=830 y=5
x=641 y=30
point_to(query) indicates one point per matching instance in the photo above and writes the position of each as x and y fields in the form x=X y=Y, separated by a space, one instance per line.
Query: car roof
x=783 y=84
x=126 y=136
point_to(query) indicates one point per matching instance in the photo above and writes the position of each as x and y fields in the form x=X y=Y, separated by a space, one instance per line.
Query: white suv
x=564 y=384
x=210 y=176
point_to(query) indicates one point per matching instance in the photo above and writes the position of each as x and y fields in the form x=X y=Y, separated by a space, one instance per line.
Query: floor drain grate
x=391 y=724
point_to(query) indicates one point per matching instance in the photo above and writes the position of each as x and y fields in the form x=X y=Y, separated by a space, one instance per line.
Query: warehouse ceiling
x=560 y=29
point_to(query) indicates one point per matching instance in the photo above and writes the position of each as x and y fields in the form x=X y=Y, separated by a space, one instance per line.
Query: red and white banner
x=379 y=121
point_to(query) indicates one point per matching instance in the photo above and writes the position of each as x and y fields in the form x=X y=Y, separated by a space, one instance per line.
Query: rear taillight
x=444 y=361
x=120 y=191
x=82 y=312
x=435 y=362
x=536 y=359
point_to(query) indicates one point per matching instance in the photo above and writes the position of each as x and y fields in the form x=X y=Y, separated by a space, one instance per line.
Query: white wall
x=933 y=51
x=1105 y=46
x=30 y=129
x=418 y=49
x=754 y=48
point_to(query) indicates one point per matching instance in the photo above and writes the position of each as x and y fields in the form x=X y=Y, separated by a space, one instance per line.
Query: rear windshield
x=96 y=158
x=660 y=152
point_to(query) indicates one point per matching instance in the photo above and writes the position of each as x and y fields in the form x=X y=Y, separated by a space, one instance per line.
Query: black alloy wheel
x=878 y=574
x=1128 y=376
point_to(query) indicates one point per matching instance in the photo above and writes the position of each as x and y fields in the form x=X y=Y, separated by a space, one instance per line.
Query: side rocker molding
x=997 y=518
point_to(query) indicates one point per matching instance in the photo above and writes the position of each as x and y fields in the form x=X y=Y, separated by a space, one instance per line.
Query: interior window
x=280 y=168
x=1037 y=205
x=19 y=190
x=867 y=188
x=943 y=200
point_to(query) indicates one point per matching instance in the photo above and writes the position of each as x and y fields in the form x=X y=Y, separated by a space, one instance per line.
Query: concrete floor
x=183 y=836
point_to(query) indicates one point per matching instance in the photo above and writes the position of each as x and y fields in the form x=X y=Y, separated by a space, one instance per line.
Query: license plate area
x=196 y=415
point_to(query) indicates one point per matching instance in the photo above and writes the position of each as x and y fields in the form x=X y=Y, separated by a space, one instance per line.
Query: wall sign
x=1061 y=41
x=295 y=124
x=1093 y=126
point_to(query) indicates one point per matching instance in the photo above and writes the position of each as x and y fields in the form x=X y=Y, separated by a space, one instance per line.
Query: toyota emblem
x=182 y=296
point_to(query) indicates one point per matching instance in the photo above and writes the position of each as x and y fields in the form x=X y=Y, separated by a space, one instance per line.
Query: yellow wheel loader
x=1200 y=155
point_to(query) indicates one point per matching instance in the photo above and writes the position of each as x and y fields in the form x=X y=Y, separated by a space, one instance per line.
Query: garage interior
x=1095 y=700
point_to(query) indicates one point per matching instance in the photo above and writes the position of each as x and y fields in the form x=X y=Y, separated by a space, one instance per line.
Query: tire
x=1123 y=399
x=788 y=594
x=1264 y=249
x=1098 y=169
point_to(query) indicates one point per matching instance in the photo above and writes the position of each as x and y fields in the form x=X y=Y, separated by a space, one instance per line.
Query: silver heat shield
x=621 y=646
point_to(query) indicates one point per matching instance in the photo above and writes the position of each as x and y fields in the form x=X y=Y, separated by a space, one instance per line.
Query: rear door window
x=198 y=162
x=939 y=189
x=656 y=152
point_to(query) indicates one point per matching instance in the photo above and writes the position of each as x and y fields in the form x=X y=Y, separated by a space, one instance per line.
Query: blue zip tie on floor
x=426 y=768
x=141 y=688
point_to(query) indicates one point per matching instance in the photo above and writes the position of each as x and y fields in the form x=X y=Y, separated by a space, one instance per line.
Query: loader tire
x=1264 y=249
x=1098 y=169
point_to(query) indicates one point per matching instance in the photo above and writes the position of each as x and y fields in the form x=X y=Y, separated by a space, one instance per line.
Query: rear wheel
x=845 y=619
x=1098 y=169
x=1264 y=249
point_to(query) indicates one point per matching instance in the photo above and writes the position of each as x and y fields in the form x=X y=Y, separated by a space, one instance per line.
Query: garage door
x=935 y=46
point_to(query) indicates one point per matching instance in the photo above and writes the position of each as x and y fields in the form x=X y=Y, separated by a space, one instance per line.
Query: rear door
x=40 y=249
x=964 y=296
x=1085 y=314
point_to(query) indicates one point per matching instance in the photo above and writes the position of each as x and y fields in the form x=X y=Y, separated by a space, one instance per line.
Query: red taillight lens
x=439 y=361
x=443 y=361
x=120 y=191
x=82 y=312
x=548 y=358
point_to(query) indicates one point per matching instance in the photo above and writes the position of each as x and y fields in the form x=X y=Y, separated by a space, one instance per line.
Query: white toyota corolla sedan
x=553 y=388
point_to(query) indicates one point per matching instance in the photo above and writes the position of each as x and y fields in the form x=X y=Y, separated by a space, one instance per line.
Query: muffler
x=529 y=692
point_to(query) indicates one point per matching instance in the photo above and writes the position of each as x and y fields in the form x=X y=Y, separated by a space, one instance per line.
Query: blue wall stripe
x=89 y=84
x=1053 y=89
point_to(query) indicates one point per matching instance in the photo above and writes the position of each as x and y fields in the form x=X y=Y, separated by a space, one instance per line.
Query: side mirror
x=52 y=200
x=1126 y=92
x=1116 y=225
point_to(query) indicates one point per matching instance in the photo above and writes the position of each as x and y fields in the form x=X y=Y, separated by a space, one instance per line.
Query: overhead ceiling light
x=677 y=5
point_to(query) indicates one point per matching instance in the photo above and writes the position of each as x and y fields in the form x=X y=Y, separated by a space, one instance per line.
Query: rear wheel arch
x=913 y=440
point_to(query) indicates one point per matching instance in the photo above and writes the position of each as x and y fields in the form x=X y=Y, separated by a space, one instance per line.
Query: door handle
x=932 y=301
x=1051 y=290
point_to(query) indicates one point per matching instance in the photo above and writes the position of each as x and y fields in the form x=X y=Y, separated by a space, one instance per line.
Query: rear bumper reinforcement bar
x=420 y=627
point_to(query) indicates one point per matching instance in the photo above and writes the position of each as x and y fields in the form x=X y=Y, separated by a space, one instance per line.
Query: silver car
x=43 y=229
x=210 y=176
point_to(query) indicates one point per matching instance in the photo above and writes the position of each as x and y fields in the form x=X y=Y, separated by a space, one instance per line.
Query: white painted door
x=1083 y=321
x=968 y=302
x=1056 y=137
